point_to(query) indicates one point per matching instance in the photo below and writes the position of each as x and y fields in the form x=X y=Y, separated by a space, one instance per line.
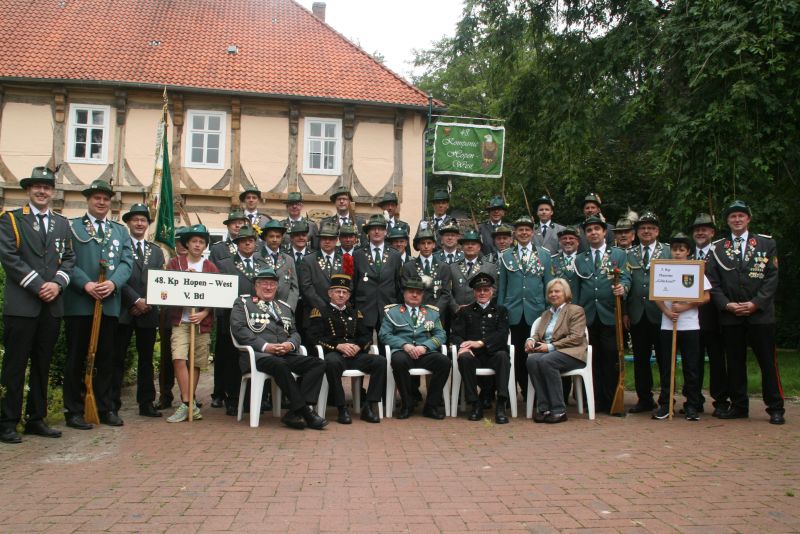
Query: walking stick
x=90 y=414
x=618 y=404
x=191 y=368
x=672 y=366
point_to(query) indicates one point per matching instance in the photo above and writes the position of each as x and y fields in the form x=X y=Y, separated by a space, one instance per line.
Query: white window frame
x=190 y=131
x=72 y=137
x=307 y=140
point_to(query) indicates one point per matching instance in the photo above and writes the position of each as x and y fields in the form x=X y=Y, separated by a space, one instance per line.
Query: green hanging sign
x=468 y=150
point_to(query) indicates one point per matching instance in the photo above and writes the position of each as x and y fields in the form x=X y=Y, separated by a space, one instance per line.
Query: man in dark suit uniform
x=294 y=209
x=389 y=204
x=344 y=215
x=546 y=232
x=137 y=316
x=244 y=264
x=744 y=276
x=36 y=253
x=267 y=325
x=440 y=218
x=376 y=274
x=250 y=198
x=339 y=329
x=435 y=275
x=592 y=208
x=315 y=270
x=641 y=315
x=703 y=230
x=95 y=239
x=503 y=239
x=227 y=248
x=497 y=210
x=398 y=240
x=480 y=332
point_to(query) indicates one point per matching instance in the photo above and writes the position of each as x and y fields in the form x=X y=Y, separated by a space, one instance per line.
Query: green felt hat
x=425 y=233
x=300 y=227
x=376 y=220
x=648 y=217
x=249 y=189
x=593 y=197
x=503 y=229
x=329 y=229
x=470 y=235
x=235 y=214
x=740 y=206
x=496 y=202
x=39 y=175
x=266 y=272
x=272 y=225
x=198 y=230
x=544 y=199
x=623 y=224
x=347 y=229
x=397 y=233
x=449 y=227
x=441 y=194
x=594 y=219
x=680 y=237
x=137 y=209
x=293 y=197
x=388 y=197
x=414 y=282
x=98 y=186
x=341 y=190
x=569 y=230
x=524 y=221
x=246 y=232
x=704 y=219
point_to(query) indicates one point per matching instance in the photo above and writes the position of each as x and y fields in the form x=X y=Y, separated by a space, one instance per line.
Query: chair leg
x=389 y=392
x=576 y=383
x=277 y=397
x=590 y=396
x=456 y=390
x=322 y=401
x=256 y=389
x=529 y=403
x=242 y=391
x=448 y=408
x=512 y=394
x=355 y=387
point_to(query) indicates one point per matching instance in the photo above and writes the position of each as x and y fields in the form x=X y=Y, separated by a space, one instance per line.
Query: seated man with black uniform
x=268 y=325
x=480 y=332
x=340 y=330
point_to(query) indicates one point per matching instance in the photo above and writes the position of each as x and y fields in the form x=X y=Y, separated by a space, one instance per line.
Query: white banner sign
x=676 y=280
x=199 y=290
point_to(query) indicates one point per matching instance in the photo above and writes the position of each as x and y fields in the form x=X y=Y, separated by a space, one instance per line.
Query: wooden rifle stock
x=618 y=404
x=90 y=414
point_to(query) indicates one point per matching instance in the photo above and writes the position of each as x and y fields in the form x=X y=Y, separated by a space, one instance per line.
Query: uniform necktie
x=378 y=259
x=274 y=258
x=414 y=316
x=737 y=247
x=342 y=221
x=450 y=258
x=544 y=230
x=271 y=309
x=646 y=257
x=42 y=228
x=298 y=256
x=469 y=268
x=328 y=265
x=525 y=256
x=597 y=259
x=438 y=222
x=427 y=266
x=568 y=260
x=700 y=254
x=252 y=218
x=248 y=266
x=100 y=233
x=139 y=251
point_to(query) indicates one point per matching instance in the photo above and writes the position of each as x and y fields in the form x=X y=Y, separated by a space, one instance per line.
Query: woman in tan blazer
x=558 y=345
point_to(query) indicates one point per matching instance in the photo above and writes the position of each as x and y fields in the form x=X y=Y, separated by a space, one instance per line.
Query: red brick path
x=609 y=475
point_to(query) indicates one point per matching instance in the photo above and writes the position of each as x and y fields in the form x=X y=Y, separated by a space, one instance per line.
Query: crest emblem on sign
x=163 y=295
x=688 y=280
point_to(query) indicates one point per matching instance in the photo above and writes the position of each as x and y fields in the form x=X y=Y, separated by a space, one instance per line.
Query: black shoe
x=432 y=412
x=77 y=421
x=776 y=419
x=148 y=410
x=9 y=435
x=232 y=410
x=719 y=408
x=691 y=414
x=293 y=420
x=642 y=407
x=554 y=418
x=344 y=416
x=111 y=419
x=198 y=403
x=539 y=417
x=500 y=414
x=40 y=428
x=662 y=412
x=368 y=414
x=477 y=412
x=405 y=412
x=217 y=402
x=266 y=402
x=164 y=404
x=486 y=403
x=313 y=420
x=733 y=413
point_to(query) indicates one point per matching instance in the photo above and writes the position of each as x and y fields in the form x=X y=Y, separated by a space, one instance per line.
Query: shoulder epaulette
x=314 y=313
x=56 y=214
x=245 y=296
x=389 y=307
x=431 y=306
x=285 y=303
x=547 y=250
x=720 y=240
x=765 y=235
x=359 y=315
x=119 y=224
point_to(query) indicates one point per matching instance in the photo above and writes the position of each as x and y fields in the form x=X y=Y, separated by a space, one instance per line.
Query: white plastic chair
x=356 y=379
x=583 y=374
x=391 y=387
x=257 y=379
x=458 y=389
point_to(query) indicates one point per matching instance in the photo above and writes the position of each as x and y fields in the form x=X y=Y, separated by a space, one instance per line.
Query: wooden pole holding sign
x=676 y=281
x=191 y=366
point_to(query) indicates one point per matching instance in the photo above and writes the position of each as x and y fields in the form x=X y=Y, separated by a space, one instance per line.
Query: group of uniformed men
x=340 y=284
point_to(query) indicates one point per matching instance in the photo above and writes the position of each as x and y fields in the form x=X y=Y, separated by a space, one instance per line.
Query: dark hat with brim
x=496 y=203
x=341 y=190
x=414 y=282
x=470 y=236
x=680 y=237
x=738 y=206
x=198 y=230
x=246 y=232
x=329 y=230
x=704 y=219
x=294 y=197
x=388 y=197
x=266 y=273
x=137 y=209
x=423 y=234
x=449 y=227
x=594 y=198
x=39 y=175
x=593 y=219
x=623 y=225
x=647 y=217
x=375 y=221
x=503 y=229
x=341 y=281
x=544 y=199
x=249 y=189
x=98 y=186
x=272 y=225
x=235 y=215
x=481 y=280
x=347 y=229
x=569 y=230
x=441 y=194
x=397 y=233
x=300 y=227
x=524 y=221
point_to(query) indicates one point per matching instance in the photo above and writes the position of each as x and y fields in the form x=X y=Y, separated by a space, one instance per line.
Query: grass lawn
x=788 y=365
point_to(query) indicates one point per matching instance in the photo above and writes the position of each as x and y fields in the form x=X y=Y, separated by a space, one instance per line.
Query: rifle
x=618 y=404
x=90 y=403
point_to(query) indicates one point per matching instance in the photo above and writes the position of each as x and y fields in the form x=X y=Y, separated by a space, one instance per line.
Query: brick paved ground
x=608 y=475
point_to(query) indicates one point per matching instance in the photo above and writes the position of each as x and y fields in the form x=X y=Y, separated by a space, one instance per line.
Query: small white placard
x=677 y=280
x=190 y=289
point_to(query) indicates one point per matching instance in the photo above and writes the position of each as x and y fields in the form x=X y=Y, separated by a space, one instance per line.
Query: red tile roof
x=282 y=48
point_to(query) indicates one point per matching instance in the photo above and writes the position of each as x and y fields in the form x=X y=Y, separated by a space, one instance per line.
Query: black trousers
x=27 y=338
x=468 y=364
x=372 y=364
x=227 y=373
x=761 y=338
x=145 y=340
x=688 y=345
x=519 y=333
x=79 y=328
x=605 y=364
x=711 y=344
x=646 y=337
x=166 y=370
x=309 y=368
x=435 y=362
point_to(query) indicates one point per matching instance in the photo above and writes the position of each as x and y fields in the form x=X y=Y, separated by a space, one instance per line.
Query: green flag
x=468 y=150
x=165 y=218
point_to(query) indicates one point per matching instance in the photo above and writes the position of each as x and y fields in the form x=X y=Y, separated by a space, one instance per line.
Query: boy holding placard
x=685 y=316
